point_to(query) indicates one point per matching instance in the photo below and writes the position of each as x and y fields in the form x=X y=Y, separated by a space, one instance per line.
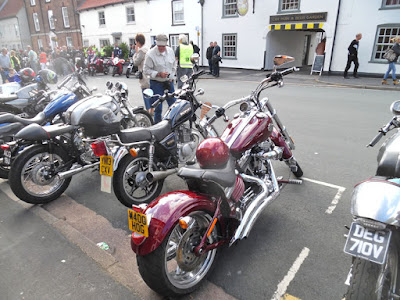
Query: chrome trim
x=70 y=173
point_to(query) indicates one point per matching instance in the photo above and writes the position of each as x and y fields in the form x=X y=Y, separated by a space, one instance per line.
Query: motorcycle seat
x=138 y=134
x=35 y=132
x=10 y=118
x=10 y=129
x=225 y=177
x=6 y=98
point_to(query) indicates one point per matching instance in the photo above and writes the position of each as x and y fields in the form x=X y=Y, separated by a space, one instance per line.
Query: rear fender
x=164 y=212
x=119 y=154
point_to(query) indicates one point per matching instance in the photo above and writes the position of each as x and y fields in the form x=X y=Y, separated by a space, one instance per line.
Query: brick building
x=53 y=23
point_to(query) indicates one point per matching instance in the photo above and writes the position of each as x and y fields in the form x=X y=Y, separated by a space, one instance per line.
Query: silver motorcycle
x=374 y=236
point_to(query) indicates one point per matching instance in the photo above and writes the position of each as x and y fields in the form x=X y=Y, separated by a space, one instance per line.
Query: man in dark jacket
x=209 y=56
x=353 y=56
x=216 y=58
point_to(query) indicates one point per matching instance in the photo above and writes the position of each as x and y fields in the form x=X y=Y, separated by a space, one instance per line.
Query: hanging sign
x=242 y=7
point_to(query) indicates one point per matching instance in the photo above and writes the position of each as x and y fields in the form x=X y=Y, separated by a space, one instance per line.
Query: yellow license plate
x=138 y=222
x=106 y=165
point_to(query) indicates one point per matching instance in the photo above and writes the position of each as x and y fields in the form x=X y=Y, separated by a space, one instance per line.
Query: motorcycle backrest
x=282 y=59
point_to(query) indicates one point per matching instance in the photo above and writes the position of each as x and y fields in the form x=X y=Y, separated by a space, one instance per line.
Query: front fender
x=164 y=212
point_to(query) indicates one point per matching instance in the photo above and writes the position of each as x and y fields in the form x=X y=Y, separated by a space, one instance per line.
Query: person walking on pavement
x=138 y=60
x=183 y=53
x=5 y=64
x=353 y=56
x=33 y=59
x=43 y=59
x=160 y=66
x=196 y=48
x=392 y=62
x=216 y=58
x=209 y=56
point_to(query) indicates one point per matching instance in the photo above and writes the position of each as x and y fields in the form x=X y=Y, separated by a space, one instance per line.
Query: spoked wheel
x=173 y=269
x=143 y=119
x=32 y=176
x=129 y=183
x=371 y=281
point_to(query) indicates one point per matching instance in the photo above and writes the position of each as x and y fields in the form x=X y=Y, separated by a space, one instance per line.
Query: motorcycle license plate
x=106 y=165
x=138 y=222
x=367 y=244
x=7 y=157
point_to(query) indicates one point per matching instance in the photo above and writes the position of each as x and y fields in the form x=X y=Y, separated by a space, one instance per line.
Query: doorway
x=306 y=49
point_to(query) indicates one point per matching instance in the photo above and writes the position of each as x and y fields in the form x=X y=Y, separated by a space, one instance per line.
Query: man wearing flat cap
x=160 y=66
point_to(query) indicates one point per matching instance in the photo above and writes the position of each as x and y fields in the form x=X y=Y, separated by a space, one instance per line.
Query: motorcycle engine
x=188 y=140
x=83 y=147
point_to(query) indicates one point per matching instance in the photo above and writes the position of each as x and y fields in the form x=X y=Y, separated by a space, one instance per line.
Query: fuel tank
x=388 y=157
x=178 y=112
x=244 y=132
x=61 y=101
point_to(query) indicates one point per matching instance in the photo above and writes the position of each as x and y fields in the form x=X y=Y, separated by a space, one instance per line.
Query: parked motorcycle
x=143 y=152
x=70 y=90
x=374 y=236
x=176 y=237
x=131 y=69
x=117 y=64
x=54 y=153
x=97 y=66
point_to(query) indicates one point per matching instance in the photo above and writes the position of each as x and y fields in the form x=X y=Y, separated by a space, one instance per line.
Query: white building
x=110 y=21
x=295 y=27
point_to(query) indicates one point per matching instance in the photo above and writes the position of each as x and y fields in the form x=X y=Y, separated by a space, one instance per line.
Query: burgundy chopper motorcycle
x=177 y=236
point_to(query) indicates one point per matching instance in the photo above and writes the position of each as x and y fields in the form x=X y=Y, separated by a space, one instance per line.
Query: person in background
x=33 y=59
x=216 y=58
x=132 y=50
x=183 y=53
x=13 y=76
x=43 y=59
x=117 y=52
x=15 y=62
x=320 y=50
x=353 y=56
x=102 y=52
x=209 y=54
x=196 y=48
x=138 y=60
x=392 y=63
x=5 y=64
x=160 y=66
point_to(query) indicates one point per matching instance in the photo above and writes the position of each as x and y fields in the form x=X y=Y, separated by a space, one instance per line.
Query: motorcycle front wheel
x=115 y=71
x=125 y=181
x=371 y=281
x=127 y=73
x=173 y=269
x=105 y=70
x=31 y=177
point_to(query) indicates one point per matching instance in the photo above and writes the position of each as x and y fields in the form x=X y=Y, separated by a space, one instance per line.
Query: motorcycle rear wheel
x=115 y=71
x=173 y=269
x=124 y=182
x=127 y=73
x=27 y=176
x=371 y=281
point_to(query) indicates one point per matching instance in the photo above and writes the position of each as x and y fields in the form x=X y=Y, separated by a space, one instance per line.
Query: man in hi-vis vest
x=183 y=54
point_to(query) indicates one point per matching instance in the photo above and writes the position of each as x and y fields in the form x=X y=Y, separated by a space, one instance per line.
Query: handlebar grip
x=155 y=104
x=376 y=139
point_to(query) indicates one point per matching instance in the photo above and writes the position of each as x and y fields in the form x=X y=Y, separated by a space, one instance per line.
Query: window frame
x=224 y=4
x=104 y=18
x=65 y=15
x=384 y=44
x=174 y=21
x=284 y=11
x=173 y=46
x=385 y=6
x=40 y=43
x=33 y=2
x=47 y=1
x=36 y=21
x=101 y=42
x=68 y=38
x=50 y=17
x=223 y=46
x=127 y=16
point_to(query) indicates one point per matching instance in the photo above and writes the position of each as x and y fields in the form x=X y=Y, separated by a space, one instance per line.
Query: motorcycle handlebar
x=382 y=132
x=221 y=110
x=64 y=82
x=162 y=98
x=376 y=139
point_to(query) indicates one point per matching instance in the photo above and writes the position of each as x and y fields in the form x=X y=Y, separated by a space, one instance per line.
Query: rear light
x=137 y=238
x=5 y=147
x=99 y=148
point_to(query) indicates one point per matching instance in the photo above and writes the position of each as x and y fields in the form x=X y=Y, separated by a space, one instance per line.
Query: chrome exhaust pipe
x=257 y=205
x=158 y=175
x=70 y=173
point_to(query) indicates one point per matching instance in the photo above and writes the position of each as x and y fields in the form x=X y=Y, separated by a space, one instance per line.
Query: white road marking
x=283 y=285
x=337 y=197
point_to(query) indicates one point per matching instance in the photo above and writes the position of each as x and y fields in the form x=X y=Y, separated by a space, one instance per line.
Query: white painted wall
x=9 y=38
x=353 y=20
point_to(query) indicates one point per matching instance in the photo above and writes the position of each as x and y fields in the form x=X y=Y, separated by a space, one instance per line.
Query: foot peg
x=291 y=181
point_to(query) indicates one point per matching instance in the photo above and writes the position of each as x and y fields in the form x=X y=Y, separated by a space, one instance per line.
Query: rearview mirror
x=148 y=93
x=282 y=59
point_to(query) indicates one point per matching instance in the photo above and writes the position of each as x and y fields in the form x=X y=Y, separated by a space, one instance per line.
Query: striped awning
x=297 y=26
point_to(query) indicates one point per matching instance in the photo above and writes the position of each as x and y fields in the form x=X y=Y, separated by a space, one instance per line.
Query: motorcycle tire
x=22 y=180
x=105 y=71
x=124 y=181
x=364 y=283
x=299 y=172
x=114 y=71
x=173 y=270
x=127 y=73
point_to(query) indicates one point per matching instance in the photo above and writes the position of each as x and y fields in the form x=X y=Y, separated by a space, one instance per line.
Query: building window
x=47 y=1
x=178 y=16
x=65 y=16
x=391 y=3
x=289 y=5
x=384 y=37
x=229 y=45
x=130 y=14
x=69 y=42
x=33 y=3
x=132 y=41
x=40 y=44
x=36 y=22
x=102 y=18
x=230 y=9
x=174 y=41
x=51 y=19
x=86 y=43
x=105 y=42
